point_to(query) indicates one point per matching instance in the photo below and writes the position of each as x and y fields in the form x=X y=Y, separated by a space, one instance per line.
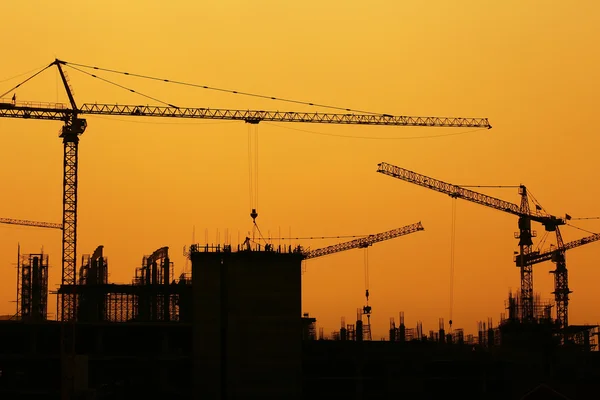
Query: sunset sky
x=530 y=67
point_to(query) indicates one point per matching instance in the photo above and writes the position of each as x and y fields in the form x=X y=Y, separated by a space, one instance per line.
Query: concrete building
x=247 y=323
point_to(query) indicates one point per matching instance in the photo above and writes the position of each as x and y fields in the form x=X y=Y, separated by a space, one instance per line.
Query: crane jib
x=59 y=111
x=254 y=116
x=537 y=257
x=364 y=242
x=550 y=222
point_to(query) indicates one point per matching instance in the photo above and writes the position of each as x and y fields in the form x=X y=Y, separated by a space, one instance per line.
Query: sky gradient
x=532 y=69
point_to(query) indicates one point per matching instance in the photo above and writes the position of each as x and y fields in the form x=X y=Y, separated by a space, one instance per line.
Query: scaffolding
x=156 y=300
x=91 y=293
x=152 y=296
x=32 y=286
x=350 y=332
x=363 y=329
x=309 y=327
x=542 y=310
x=583 y=336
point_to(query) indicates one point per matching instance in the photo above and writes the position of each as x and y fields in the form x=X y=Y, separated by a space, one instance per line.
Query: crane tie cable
x=581 y=229
x=319 y=237
x=374 y=137
x=221 y=89
x=26 y=80
x=123 y=87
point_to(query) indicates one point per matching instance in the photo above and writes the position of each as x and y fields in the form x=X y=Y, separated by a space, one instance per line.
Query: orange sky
x=532 y=69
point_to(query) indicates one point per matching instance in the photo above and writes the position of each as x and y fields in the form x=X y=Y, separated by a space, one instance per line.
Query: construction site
x=235 y=327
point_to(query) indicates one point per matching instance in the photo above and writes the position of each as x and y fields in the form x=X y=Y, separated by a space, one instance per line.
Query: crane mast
x=73 y=127
x=561 y=284
x=524 y=235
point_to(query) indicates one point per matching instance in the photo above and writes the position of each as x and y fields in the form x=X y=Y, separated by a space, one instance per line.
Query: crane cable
x=319 y=237
x=367 y=308
x=123 y=87
x=452 y=245
x=366 y=262
x=25 y=81
x=581 y=229
x=253 y=175
x=373 y=137
x=71 y=64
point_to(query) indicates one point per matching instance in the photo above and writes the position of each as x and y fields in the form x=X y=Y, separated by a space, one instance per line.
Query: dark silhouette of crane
x=74 y=126
x=561 y=275
x=24 y=222
x=524 y=235
x=364 y=243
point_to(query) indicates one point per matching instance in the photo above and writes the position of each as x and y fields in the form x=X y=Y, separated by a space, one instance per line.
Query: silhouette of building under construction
x=235 y=329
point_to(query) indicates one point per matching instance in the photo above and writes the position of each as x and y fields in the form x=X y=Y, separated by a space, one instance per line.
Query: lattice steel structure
x=91 y=293
x=364 y=242
x=60 y=112
x=156 y=302
x=32 y=287
x=524 y=235
x=24 y=222
x=561 y=274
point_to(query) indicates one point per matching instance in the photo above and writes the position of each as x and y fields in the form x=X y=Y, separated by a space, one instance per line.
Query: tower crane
x=74 y=126
x=364 y=243
x=561 y=278
x=524 y=235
